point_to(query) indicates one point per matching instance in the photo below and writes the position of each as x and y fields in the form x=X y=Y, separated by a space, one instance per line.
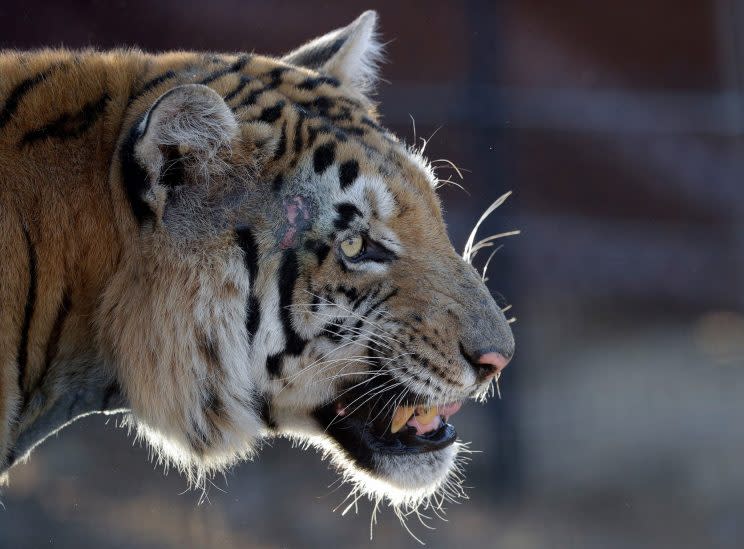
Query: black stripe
x=343 y=114
x=334 y=331
x=321 y=105
x=312 y=134
x=134 y=176
x=358 y=131
x=346 y=214
x=316 y=57
x=150 y=85
x=28 y=312
x=282 y=147
x=352 y=102
x=276 y=79
x=338 y=133
x=251 y=99
x=347 y=334
x=265 y=412
x=372 y=124
x=274 y=365
x=350 y=293
x=272 y=114
x=21 y=89
x=248 y=244
x=312 y=83
x=212 y=405
x=363 y=296
x=348 y=172
x=377 y=304
x=315 y=303
x=298 y=131
x=253 y=316
x=234 y=67
x=69 y=126
x=319 y=248
x=38 y=392
x=244 y=80
x=324 y=157
x=288 y=273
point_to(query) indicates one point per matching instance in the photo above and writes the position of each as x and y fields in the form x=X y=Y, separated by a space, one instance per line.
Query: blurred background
x=618 y=125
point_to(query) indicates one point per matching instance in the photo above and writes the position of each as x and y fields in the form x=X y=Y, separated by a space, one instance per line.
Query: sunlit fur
x=173 y=224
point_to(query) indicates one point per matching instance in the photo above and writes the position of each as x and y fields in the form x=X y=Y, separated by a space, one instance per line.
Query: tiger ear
x=350 y=54
x=177 y=142
x=190 y=122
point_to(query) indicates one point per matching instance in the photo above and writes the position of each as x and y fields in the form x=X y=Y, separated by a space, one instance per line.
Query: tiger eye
x=352 y=247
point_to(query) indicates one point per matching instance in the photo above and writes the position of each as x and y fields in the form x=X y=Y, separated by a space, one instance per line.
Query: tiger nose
x=490 y=364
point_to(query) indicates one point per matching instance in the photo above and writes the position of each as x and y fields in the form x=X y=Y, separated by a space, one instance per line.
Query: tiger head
x=288 y=272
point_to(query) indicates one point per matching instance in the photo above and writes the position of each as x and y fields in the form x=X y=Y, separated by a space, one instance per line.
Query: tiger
x=226 y=248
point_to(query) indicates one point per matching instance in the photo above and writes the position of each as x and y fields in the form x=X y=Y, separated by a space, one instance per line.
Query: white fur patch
x=161 y=320
x=356 y=61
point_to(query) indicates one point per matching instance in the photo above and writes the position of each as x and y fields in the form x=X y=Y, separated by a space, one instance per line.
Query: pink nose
x=492 y=364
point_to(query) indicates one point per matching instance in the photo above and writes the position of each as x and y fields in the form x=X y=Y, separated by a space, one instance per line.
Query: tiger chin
x=228 y=248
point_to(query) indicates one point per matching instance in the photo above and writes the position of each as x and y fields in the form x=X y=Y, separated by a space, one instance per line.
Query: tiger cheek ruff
x=227 y=248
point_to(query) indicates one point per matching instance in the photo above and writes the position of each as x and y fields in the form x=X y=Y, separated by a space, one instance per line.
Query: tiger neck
x=58 y=224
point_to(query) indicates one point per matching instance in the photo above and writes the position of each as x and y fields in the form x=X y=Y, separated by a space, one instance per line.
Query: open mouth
x=378 y=429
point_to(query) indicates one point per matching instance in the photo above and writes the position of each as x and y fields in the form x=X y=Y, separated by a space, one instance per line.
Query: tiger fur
x=175 y=233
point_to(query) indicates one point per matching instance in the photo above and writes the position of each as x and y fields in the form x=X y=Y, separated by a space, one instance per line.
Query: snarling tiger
x=228 y=248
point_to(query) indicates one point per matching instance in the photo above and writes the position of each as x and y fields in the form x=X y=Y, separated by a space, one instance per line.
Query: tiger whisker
x=450 y=164
x=349 y=311
x=467 y=253
x=369 y=395
x=385 y=387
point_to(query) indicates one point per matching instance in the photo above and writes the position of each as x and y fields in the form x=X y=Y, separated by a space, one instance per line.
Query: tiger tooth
x=427 y=415
x=400 y=417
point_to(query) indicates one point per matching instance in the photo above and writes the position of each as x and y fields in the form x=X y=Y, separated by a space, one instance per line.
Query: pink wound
x=298 y=217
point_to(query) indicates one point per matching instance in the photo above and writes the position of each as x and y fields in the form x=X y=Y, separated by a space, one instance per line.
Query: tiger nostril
x=493 y=363
x=486 y=365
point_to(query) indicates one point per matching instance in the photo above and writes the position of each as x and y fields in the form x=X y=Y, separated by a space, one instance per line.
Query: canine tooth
x=400 y=417
x=426 y=415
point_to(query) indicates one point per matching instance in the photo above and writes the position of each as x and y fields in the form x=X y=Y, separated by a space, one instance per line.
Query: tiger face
x=286 y=271
x=390 y=328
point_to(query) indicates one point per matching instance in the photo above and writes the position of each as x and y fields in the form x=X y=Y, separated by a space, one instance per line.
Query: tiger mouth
x=369 y=431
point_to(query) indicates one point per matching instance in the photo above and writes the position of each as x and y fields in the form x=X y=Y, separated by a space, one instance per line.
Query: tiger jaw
x=363 y=431
x=367 y=441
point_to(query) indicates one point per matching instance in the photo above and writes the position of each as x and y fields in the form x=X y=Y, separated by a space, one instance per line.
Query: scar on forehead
x=297 y=212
